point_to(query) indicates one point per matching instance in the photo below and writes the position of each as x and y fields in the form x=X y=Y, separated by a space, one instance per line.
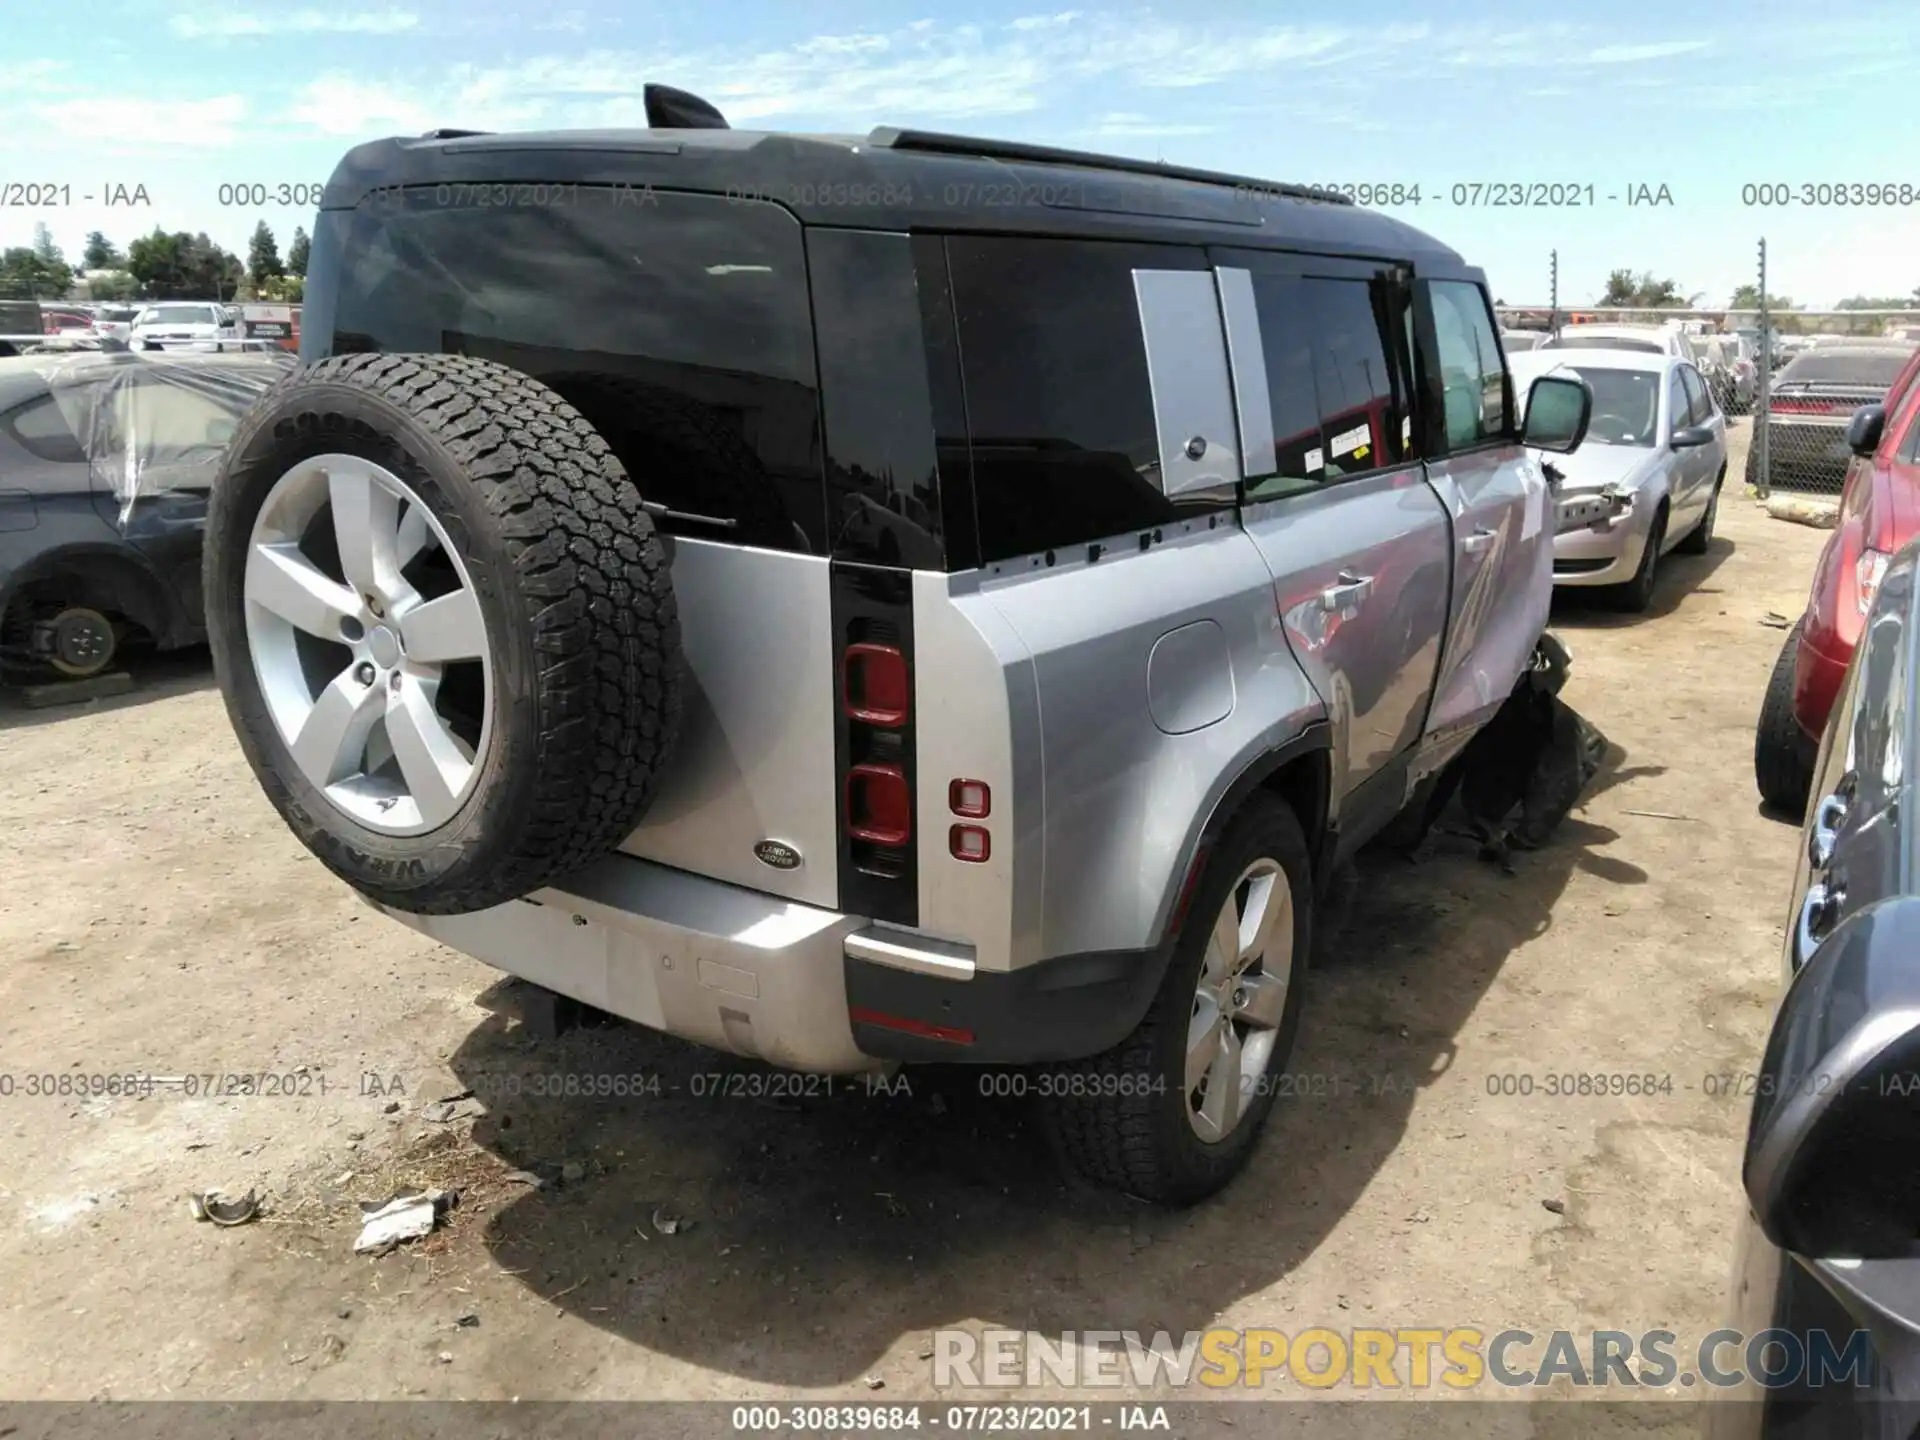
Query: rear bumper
x=793 y=985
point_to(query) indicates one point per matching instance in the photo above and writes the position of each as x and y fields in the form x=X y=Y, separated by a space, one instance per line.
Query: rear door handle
x=1348 y=593
x=1478 y=541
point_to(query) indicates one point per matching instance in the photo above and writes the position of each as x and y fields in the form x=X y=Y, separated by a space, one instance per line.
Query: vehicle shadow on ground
x=1578 y=607
x=156 y=676
x=829 y=1230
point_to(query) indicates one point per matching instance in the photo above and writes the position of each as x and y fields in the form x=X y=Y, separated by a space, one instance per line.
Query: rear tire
x=562 y=693
x=1780 y=765
x=1700 y=537
x=1127 y=1118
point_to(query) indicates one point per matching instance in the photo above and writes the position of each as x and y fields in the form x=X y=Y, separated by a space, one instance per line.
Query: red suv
x=1879 y=512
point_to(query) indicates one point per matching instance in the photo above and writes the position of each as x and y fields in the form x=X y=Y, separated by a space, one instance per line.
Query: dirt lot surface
x=157 y=919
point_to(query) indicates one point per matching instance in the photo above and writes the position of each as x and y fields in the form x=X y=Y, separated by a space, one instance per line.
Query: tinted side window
x=883 y=494
x=1058 y=398
x=43 y=432
x=1699 y=402
x=1472 y=380
x=679 y=325
x=1678 y=405
x=1336 y=354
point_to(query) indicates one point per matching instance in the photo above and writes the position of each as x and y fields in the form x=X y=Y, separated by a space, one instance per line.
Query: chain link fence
x=1791 y=378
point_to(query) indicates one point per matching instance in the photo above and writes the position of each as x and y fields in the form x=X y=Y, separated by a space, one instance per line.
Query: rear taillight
x=874 y=685
x=1778 y=406
x=879 y=805
x=970 y=799
x=971 y=843
x=1868 y=571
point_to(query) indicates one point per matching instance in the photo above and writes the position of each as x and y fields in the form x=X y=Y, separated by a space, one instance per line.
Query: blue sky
x=181 y=96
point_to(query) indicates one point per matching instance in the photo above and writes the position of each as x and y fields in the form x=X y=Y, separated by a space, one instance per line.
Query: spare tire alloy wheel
x=443 y=625
x=372 y=737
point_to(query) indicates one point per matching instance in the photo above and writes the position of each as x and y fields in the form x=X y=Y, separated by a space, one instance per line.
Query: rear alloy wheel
x=1172 y=1113
x=80 y=642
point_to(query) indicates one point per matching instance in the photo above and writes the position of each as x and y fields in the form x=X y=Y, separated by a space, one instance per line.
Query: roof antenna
x=671 y=109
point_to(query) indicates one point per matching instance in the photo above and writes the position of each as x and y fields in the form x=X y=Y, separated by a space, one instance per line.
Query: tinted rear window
x=1874 y=368
x=679 y=325
x=1603 y=342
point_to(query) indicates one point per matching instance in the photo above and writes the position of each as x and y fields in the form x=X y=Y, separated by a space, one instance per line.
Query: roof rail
x=889 y=137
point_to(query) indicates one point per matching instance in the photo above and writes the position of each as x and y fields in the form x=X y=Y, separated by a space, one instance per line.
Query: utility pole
x=1763 y=475
x=1553 y=291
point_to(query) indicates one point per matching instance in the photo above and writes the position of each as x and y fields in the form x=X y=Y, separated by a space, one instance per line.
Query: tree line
x=160 y=266
x=1642 y=290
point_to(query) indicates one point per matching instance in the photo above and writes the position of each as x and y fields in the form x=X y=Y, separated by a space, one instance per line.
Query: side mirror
x=1559 y=408
x=1865 y=429
x=1832 y=1166
x=1691 y=437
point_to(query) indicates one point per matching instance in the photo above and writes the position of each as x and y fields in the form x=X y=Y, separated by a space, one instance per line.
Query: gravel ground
x=158 y=919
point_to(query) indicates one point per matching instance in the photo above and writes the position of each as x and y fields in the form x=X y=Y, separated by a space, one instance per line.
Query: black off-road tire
x=1120 y=1118
x=674 y=435
x=1700 y=537
x=573 y=585
x=1781 y=765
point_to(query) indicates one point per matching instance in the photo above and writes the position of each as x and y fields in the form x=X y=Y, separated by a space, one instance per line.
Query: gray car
x=969 y=627
x=1658 y=438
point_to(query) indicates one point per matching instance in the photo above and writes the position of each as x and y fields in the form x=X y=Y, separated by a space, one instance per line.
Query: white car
x=184 y=325
x=1648 y=339
x=1658 y=437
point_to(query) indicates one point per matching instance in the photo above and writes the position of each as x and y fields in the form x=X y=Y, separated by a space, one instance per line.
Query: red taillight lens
x=1868 y=571
x=874 y=686
x=879 y=805
x=971 y=843
x=970 y=799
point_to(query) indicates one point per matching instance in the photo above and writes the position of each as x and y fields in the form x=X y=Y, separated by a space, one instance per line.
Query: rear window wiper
x=654 y=507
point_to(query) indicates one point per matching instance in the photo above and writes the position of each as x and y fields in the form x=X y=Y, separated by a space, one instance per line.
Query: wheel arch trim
x=1314 y=744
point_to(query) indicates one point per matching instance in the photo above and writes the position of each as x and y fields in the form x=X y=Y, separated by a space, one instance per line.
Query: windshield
x=1872 y=369
x=1626 y=405
x=1604 y=342
x=178 y=315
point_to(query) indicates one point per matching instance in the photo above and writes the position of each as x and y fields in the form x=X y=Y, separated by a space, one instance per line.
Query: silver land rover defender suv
x=849 y=600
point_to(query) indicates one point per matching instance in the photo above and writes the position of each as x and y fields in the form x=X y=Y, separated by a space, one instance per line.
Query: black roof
x=894 y=179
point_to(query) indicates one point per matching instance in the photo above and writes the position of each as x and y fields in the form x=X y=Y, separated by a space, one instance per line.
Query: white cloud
x=1637 y=54
x=1128 y=126
x=233 y=24
x=134 y=123
x=1044 y=22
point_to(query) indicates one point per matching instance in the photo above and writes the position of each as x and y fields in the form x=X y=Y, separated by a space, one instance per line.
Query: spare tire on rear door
x=443 y=626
